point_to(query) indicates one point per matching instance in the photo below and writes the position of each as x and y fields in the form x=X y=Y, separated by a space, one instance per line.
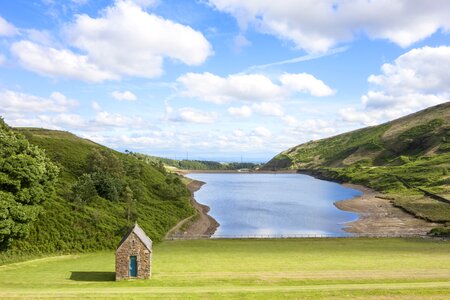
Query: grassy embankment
x=137 y=191
x=402 y=158
x=289 y=268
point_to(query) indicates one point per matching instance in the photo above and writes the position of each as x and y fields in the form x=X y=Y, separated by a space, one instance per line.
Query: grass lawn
x=283 y=268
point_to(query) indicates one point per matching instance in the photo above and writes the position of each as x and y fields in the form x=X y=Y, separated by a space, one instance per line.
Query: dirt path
x=200 y=224
x=379 y=216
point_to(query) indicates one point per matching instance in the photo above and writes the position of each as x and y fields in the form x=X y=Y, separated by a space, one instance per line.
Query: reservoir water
x=274 y=204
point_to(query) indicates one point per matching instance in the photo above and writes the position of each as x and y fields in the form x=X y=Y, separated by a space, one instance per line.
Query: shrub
x=27 y=178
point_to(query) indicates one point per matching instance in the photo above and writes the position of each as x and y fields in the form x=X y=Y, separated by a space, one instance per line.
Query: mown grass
x=268 y=269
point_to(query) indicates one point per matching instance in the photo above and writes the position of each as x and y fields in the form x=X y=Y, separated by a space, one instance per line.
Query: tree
x=131 y=205
x=27 y=177
x=83 y=191
x=104 y=161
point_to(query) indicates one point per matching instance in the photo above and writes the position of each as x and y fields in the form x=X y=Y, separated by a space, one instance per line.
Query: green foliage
x=99 y=193
x=104 y=161
x=27 y=178
x=440 y=231
x=421 y=130
x=83 y=191
x=194 y=164
x=399 y=158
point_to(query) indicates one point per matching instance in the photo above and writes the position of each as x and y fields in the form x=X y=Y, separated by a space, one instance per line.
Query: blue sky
x=219 y=79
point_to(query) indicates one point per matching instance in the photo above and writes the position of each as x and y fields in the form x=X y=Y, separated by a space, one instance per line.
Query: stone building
x=134 y=255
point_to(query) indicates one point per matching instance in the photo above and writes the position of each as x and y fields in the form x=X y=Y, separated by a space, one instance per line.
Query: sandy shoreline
x=200 y=224
x=378 y=215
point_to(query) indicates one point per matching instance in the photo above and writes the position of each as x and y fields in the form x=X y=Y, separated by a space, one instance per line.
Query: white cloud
x=415 y=80
x=262 y=132
x=70 y=120
x=2 y=59
x=216 y=89
x=104 y=118
x=6 y=28
x=425 y=70
x=269 y=109
x=135 y=41
x=242 y=112
x=124 y=96
x=146 y=3
x=290 y=120
x=41 y=37
x=190 y=115
x=317 y=26
x=318 y=127
x=54 y=62
x=14 y=102
x=96 y=106
x=248 y=87
x=304 y=82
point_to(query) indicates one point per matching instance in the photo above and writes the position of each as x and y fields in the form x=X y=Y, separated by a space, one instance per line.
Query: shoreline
x=200 y=224
x=185 y=172
x=378 y=215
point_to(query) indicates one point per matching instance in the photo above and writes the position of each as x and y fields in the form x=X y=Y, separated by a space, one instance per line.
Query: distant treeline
x=195 y=164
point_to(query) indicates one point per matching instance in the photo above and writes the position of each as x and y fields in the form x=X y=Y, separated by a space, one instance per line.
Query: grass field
x=289 y=268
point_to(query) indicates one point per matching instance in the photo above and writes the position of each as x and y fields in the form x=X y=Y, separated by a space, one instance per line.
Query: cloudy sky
x=219 y=79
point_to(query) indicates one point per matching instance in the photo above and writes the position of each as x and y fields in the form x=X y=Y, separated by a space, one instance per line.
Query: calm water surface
x=274 y=204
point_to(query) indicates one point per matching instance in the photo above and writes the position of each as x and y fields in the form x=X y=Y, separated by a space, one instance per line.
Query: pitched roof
x=136 y=229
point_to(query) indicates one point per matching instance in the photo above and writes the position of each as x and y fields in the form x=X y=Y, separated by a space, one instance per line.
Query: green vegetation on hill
x=26 y=177
x=195 y=164
x=348 y=268
x=99 y=194
x=407 y=158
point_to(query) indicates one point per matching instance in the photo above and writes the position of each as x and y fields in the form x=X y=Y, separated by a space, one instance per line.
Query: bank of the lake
x=274 y=204
x=376 y=213
x=200 y=224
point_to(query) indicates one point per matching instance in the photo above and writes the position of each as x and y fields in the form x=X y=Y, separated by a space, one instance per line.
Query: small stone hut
x=134 y=255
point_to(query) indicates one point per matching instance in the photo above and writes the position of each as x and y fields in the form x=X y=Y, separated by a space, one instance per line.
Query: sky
x=220 y=80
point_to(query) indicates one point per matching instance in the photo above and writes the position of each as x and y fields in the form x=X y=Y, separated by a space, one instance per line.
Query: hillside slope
x=186 y=164
x=99 y=193
x=405 y=158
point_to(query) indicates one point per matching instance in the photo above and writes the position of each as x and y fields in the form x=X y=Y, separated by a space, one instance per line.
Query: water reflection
x=274 y=204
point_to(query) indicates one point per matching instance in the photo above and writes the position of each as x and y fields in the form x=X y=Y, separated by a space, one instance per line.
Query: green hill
x=99 y=193
x=186 y=164
x=407 y=159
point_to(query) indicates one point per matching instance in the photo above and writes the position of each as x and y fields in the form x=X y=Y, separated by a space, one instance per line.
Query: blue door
x=133 y=266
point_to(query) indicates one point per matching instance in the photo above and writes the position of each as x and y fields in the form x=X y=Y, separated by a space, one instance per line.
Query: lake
x=274 y=204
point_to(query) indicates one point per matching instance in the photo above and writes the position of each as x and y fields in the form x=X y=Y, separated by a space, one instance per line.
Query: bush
x=440 y=231
x=83 y=191
x=27 y=178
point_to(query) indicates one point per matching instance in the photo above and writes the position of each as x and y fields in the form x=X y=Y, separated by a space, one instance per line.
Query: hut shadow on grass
x=93 y=276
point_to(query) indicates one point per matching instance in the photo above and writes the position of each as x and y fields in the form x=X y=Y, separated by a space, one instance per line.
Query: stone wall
x=133 y=246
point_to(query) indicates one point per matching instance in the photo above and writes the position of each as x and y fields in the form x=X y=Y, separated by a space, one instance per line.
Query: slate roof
x=136 y=229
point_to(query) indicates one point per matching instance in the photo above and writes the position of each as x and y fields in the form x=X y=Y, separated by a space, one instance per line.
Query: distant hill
x=405 y=158
x=100 y=192
x=186 y=164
